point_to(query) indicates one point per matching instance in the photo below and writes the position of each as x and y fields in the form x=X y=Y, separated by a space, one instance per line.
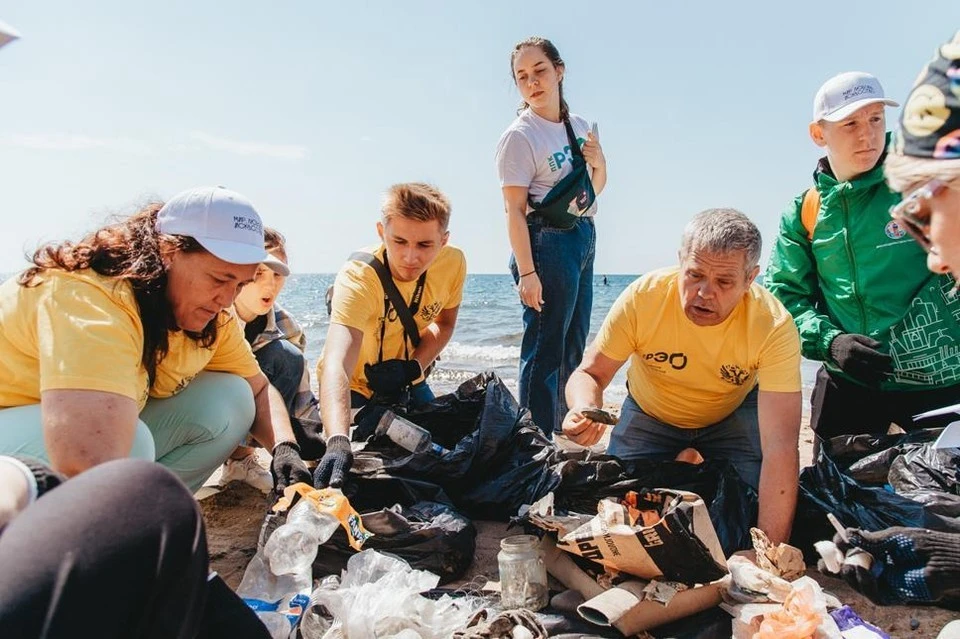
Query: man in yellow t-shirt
x=714 y=367
x=120 y=345
x=367 y=351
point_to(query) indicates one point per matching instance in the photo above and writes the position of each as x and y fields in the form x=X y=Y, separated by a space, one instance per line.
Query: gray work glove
x=335 y=463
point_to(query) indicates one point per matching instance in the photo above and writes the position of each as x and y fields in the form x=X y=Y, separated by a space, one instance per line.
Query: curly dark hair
x=129 y=249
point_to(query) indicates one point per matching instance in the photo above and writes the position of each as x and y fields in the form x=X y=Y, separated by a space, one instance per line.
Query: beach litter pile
x=642 y=549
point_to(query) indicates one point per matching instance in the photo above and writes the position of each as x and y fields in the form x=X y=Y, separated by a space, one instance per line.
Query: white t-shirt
x=535 y=153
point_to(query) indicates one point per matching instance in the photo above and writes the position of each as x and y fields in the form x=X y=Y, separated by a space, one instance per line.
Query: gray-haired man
x=715 y=366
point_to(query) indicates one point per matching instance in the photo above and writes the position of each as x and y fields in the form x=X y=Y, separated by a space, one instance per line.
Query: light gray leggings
x=191 y=433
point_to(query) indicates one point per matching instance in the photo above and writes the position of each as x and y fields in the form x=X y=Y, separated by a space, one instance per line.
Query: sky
x=312 y=109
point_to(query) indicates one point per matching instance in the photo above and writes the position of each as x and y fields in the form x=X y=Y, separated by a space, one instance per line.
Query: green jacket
x=862 y=274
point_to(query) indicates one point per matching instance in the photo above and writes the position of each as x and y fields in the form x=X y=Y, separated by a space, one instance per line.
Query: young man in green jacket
x=857 y=285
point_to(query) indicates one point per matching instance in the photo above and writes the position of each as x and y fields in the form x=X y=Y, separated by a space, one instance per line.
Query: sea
x=489 y=329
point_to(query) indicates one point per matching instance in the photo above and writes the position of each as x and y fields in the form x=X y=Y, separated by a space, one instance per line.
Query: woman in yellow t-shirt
x=119 y=345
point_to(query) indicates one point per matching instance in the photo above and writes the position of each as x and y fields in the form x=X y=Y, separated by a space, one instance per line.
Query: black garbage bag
x=926 y=467
x=936 y=501
x=869 y=458
x=373 y=492
x=518 y=473
x=827 y=487
x=493 y=458
x=428 y=536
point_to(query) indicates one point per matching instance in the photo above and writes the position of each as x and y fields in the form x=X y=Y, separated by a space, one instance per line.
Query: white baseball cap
x=7 y=33
x=845 y=93
x=223 y=222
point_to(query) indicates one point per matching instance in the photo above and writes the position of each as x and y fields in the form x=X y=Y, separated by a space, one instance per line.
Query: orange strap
x=810 y=210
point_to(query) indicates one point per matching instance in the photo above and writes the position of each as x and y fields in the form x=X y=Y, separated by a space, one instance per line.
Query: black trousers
x=839 y=407
x=118 y=551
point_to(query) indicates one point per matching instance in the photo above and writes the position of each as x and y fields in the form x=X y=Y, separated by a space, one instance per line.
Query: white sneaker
x=247 y=470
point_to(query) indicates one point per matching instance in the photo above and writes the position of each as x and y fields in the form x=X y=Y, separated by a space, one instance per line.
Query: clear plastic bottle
x=523 y=575
x=277 y=600
x=277 y=624
x=293 y=546
x=316 y=618
x=406 y=434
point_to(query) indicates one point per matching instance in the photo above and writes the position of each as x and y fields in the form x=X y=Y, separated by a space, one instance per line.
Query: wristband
x=530 y=273
x=40 y=477
x=33 y=490
x=292 y=445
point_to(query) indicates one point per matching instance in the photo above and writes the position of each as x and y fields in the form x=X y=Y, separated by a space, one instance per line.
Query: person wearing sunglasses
x=924 y=164
x=857 y=284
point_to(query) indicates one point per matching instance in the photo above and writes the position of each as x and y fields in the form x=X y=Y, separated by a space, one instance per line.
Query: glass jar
x=523 y=575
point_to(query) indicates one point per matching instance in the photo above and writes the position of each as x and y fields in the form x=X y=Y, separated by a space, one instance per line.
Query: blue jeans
x=554 y=338
x=735 y=438
x=282 y=363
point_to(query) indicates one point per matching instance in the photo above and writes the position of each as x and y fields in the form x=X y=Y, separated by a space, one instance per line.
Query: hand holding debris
x=901 y=565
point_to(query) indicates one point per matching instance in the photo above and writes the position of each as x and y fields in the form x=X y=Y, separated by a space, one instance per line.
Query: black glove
x=309 y=436
x=902 y=565
x=335 y=463
x=392 y=376
x=287 y=468
x=858 y=357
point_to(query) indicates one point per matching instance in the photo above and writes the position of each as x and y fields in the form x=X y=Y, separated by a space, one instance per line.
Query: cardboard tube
x=641 y=616
x=559 y=564
x=565 y=571
x=610 y=606
x=650 y=614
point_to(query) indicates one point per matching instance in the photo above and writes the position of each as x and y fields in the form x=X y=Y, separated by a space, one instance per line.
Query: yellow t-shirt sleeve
x=356 y=296
x=617 y=338
x=231 y=352
x=88 y=340
x=458 y=279
x=779 y=366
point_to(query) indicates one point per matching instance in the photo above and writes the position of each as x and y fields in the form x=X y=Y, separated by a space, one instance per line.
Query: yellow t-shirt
x=693 y=376
x=358 y=303
x=82 y=331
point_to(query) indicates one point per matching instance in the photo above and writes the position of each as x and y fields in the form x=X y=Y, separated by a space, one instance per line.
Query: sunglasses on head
x=911 y=213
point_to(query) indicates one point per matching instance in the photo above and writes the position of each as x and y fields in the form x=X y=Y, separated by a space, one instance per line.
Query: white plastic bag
x=379 y=596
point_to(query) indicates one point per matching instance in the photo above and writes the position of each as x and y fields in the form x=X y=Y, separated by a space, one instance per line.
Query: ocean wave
x=471 y=352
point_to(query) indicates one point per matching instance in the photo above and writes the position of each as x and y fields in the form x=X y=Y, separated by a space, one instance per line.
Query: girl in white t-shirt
x=552 y=260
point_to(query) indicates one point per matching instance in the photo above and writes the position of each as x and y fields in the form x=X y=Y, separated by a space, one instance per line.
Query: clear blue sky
x=312 y=108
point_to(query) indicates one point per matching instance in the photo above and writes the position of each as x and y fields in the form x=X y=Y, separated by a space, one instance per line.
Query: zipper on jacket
x=853 y=262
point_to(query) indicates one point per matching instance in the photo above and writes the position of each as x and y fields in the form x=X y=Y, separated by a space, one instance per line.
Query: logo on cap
x=857 y=91
x=247 y=224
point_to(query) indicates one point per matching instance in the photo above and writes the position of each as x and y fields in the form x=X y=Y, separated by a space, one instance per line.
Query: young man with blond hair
x=369 y=351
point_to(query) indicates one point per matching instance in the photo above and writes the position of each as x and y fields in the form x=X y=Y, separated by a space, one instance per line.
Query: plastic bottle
x=277 y=624
x=316 y=618
x=523 y=575
x=277 y=600
x=293 y=546
x=406 y=434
